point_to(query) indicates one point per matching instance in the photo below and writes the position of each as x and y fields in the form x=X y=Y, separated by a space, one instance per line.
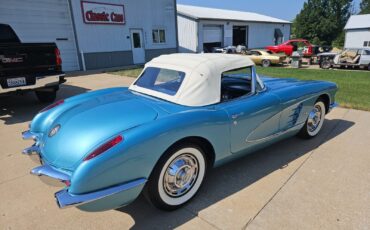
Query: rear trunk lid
x=88 y=125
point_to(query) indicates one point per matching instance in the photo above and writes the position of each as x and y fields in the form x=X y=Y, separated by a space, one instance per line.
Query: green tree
x=365 y=7
x=322 y=21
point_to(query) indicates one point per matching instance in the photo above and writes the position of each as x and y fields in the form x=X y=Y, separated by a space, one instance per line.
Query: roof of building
x=202 y=83
x=358 y=22
x=197 y=12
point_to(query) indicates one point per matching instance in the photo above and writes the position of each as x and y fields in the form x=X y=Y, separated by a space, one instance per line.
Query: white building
x=201 y=29
x=357 y=31
x=99 y=34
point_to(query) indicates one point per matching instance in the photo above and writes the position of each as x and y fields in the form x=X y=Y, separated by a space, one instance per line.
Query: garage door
x=212 y=33
x=43 y=21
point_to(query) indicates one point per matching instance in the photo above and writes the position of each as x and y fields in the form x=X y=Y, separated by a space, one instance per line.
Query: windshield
x=161 y=80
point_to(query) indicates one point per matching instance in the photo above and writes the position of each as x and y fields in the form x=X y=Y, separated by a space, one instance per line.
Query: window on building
x=366 y=43
x=159 y=36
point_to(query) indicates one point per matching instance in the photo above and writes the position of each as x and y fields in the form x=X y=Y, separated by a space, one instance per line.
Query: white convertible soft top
x=202 y=83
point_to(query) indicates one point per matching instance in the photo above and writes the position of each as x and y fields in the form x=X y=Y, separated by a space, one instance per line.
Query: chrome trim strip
x=65 y=199
x=46 y=170
x=40 y=82
x=27 y=135
x=34 y=149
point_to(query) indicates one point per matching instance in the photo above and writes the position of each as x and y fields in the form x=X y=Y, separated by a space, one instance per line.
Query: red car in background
x=290 y=46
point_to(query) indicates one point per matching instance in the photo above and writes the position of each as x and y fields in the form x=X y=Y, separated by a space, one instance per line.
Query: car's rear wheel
x=315 y=121
x=266 y=63
x=177 y=177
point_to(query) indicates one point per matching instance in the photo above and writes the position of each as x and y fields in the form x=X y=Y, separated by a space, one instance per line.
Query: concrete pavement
x=321 y=183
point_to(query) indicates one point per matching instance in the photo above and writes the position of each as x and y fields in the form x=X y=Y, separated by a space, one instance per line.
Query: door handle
x=235 y=116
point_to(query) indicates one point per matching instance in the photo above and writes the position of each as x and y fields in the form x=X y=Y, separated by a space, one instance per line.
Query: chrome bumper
x=46 y=170
x=34 y=149
x=40 y=82
x=65 y=199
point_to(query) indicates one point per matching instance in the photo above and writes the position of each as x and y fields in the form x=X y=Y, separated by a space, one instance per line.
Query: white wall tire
x=315 y=121
x=177 y=177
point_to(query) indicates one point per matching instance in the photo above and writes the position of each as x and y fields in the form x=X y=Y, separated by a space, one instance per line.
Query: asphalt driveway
x=323 y=183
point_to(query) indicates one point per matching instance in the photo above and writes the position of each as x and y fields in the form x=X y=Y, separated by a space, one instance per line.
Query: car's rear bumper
x=66 y=199
x=41 y=82
x=100 y=200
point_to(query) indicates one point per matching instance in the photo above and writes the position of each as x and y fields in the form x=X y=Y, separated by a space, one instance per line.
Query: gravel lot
x=321 y=183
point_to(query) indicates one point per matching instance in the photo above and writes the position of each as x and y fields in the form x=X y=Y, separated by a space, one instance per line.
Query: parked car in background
x=265 y=58
x=354 y=58
x=185 y=114
x=225 y=50
x=29 y=66
x=290 y=46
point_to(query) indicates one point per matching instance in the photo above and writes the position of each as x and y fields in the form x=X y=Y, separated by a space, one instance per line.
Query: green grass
x=354 y=86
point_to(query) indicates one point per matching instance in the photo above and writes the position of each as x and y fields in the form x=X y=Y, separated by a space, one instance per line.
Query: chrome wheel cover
x=314 y=118
x=181 y=175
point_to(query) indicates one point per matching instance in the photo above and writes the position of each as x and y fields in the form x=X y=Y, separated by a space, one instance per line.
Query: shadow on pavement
x=19 y=108
x=231 y=178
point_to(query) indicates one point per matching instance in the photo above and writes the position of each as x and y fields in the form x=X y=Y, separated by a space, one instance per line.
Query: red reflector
x=58 y=59
x=67 y=183
x=104 y=147
x=55 y=104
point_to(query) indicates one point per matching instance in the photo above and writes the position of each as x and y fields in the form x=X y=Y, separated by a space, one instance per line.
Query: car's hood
x=87 y=124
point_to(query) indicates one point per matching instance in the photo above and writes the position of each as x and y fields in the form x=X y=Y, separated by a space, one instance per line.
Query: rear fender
x=143 y=146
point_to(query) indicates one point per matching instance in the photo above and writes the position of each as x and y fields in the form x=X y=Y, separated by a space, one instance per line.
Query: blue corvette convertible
x=185 y=114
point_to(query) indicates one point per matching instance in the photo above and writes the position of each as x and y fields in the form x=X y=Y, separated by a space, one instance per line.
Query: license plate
x=19 y=81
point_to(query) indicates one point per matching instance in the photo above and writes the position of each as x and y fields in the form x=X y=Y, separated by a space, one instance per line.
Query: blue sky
x=283 y=9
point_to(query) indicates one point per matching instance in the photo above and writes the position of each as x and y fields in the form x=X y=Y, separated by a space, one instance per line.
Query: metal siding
x=43 y=21
x=188 y=34
x=262 y=34
x=146 y=15
x=108 y=59
x=356 y=38
x=150 y=54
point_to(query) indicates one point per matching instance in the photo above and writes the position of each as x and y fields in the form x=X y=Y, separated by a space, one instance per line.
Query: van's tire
x=266 y=63
x=368 y=67
x=325 y=64
x=315 y=121
x=46 y=96
x=177 y=177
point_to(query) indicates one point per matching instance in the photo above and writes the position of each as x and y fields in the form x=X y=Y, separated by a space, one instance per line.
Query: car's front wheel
x=315 y=121
x=177 y=177
x=325 y=64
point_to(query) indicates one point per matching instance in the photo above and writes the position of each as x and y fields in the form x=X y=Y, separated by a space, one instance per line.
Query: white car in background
x=357 y=57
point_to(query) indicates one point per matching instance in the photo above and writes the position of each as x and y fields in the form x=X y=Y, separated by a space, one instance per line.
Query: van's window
x=161 y=80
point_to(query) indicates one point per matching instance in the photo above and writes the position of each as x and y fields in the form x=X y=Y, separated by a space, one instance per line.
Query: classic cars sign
x=102 y=13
